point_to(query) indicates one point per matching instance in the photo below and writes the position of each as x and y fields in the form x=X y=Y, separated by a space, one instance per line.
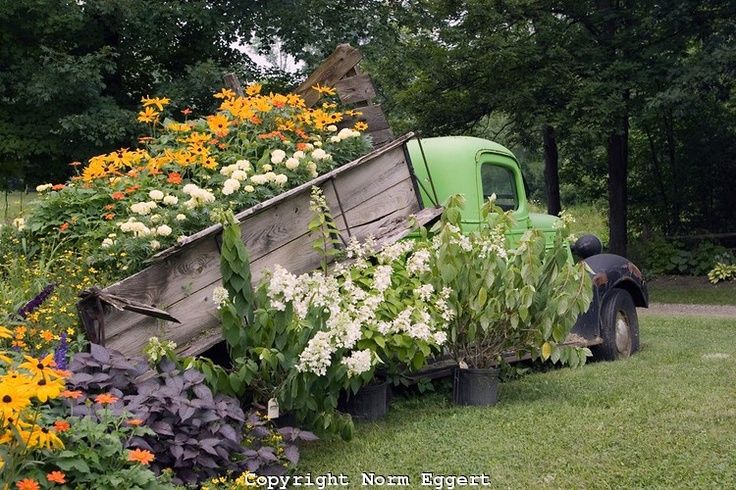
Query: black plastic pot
x=475 y=386
x=369 y=403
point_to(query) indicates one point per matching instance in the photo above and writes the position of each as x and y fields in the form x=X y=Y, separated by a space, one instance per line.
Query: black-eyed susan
x=323 y=89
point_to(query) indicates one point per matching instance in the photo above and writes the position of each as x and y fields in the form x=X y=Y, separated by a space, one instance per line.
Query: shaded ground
x=691 y=290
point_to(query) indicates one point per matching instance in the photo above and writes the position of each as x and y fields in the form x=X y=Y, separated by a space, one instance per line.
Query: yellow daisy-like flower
x=323 y=89
x=13 y=399
x=41 y=437
x=225 y=93
x=148 y=115
x=46 y=389
x=159 y=102
x=5 y=333
x=253 y=89
x=360 y=126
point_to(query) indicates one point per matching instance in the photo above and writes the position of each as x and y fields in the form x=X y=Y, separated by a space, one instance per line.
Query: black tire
x=619 y=327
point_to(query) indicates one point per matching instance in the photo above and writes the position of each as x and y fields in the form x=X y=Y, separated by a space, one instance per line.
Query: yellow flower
x=218 y=124
x=159 y=102
x=148 y=115
x=46 y=389
x=41 y=437
x=13 y=399
x=253 y=89
x=225 y=93
x=323 y=89
x=360 y=126
x=5 y=333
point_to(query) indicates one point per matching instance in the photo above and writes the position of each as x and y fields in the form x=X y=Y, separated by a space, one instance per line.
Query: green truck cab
x=478 y=168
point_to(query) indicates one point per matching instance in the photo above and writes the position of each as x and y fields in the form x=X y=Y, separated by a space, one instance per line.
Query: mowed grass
x=12 y=204
x=664 y=418
x=691 y=290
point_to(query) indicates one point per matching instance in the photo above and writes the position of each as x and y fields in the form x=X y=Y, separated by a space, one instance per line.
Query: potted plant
x=501 y=297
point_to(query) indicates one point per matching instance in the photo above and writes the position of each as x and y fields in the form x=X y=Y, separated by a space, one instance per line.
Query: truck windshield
x=499 y=180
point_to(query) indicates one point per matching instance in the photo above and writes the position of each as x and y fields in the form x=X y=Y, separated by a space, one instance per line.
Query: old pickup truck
x=478 y=168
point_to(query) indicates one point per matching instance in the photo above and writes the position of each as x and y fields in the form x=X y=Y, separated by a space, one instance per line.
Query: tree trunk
x=551 y=171
x=618 y=162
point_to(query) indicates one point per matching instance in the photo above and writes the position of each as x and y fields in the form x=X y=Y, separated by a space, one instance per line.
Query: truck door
x=500 y=174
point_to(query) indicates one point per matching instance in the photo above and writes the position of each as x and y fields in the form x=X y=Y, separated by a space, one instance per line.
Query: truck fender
x=609 y=272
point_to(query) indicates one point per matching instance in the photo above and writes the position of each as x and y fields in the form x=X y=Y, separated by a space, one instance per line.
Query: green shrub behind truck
x=479 y=168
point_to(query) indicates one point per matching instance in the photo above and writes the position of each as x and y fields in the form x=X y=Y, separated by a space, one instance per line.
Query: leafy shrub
x=193 y=432
x=658 y=255
x=521 y=298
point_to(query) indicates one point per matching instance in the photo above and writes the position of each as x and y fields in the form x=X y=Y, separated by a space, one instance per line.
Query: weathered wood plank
x=233 y=83
x=381 y=137
x=355 y=89
x=336 y=66
x=372 y=115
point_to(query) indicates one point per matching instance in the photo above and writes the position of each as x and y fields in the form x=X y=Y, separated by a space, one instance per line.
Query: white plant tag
x=273 y=408
x=463 y=365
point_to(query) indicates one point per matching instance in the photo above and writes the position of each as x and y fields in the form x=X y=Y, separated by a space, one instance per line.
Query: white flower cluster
x=418 y=263
x=242 y=166
x=143 y=208
x=344 y=134
x=219 y=296
x=109 y=241
x=261 y=179
x=198 y=196
x=43 y=187
x=358 y=362
x=392 y=252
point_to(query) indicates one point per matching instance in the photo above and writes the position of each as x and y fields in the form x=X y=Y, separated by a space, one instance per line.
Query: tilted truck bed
x=371 y=196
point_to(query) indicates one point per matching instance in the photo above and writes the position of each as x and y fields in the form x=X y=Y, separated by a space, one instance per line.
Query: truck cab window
x=499 y=180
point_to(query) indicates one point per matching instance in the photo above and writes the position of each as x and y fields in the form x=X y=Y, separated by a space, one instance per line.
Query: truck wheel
x=619 y=327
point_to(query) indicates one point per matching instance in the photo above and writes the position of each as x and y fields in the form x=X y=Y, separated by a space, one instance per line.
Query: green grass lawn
x=664 y=418
x=691 y=290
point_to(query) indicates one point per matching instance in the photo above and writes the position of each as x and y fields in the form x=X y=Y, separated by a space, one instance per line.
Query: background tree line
x=627 y=101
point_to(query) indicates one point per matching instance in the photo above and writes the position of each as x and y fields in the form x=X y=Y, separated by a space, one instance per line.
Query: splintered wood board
x=371 y=196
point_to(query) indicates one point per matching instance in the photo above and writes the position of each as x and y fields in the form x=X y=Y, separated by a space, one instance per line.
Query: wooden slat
x=372 y=115
x=381 y=137
x=355 y=89
x=335 y=67
x=233 y=83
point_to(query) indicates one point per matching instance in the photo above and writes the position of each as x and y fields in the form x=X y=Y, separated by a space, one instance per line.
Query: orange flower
x=109 y=207
x=108 y=216
x=105 y=398
x=47 y=335
x=135 y=422
x=174 y=178
x=140 y=456
x=219 y=124
x=132 y=189
x=71 y=394
x=57 y=187
x=64 y=227
x=75 y=164
x=27 y=484
x=62 y=425
x=56 y=477
x=118 y=196
x=186 y=111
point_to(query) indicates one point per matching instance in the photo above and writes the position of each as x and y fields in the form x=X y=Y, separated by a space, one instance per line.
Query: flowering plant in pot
x=520 y=297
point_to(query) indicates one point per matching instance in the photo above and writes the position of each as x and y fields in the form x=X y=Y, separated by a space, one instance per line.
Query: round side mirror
x=587 y=246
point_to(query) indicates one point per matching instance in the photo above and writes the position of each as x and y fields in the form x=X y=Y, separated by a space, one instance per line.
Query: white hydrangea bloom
x=358 y=362
x=317 y=356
